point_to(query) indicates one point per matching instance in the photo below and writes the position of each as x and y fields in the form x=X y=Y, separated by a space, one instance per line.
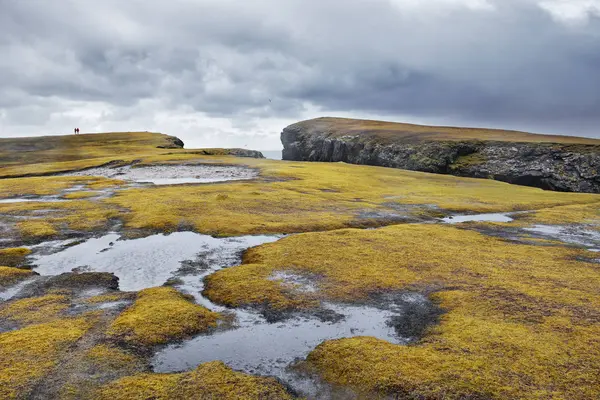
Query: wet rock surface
x=78 y=282
x=552 y=166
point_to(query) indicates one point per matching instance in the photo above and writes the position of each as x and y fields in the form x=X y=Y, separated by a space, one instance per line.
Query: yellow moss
x=36 y=229
x=104 y=184
x=292 y=197
x=517 y=325
x=111 y=357
x=85 y=215
x=13 y=257
x=50 y=185
x=10 y=275
x=28 y=354
x=35 y=309
x=105 y=298
x=569 y=214
x=96 y=366
x=298 y=197
x=75 y=214
x=80 y=195
x=159 y=315
x=212 y=380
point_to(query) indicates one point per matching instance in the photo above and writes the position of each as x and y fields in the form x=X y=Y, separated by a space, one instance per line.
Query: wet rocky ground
x=251 y=339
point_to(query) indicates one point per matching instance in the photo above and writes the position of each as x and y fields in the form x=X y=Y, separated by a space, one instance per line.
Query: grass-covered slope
x=391 y=132
x=53 y=151
x=33 y=150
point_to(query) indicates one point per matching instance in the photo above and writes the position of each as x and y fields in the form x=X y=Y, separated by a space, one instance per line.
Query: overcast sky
x=234 y=73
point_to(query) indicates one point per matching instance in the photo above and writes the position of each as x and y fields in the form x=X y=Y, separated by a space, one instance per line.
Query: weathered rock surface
x=246 y=153
x=229 y=152
x=172 y=143
x=549 y=162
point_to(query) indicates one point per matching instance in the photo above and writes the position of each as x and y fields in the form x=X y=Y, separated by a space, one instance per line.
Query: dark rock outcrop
x=70 y=281
x=228 y=152
x=172 y=142
x=548 y=162
x=246 y=153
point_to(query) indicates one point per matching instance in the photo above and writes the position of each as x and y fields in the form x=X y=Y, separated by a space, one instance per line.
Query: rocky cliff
x=559 y=163
x=228 y=152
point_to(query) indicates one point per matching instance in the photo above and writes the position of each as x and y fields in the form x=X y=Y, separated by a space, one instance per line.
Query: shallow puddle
x=250 y=343
x=568 y=234
x=262 y=348
x=492 y=217
x=12 y=291
x=30 y=199
x=171 y=174
x=146 y=262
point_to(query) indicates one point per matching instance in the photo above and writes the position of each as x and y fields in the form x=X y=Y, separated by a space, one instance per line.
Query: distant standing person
x=75 y=131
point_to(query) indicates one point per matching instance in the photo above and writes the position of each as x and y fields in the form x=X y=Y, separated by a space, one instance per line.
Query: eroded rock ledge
x=560 y=163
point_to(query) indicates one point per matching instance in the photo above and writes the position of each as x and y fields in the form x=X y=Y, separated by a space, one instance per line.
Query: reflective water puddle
x=171 y=174
x=29 y=200
x=492 y=217
x=568 y=234
x=146 y=262
x=269 y=349
x=252 y=345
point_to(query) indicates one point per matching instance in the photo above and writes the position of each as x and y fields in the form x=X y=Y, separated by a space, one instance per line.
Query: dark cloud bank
x=235 y=72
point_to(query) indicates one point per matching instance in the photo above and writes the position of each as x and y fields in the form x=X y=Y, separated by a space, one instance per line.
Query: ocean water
x=272 y=154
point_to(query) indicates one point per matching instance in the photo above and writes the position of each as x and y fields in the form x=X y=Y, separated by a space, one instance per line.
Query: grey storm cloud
x=503 y=62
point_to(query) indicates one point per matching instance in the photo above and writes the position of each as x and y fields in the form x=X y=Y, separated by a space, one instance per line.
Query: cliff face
x=548 y=162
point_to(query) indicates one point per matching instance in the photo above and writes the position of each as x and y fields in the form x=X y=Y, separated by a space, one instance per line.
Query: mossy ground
x=36 y=309
x=520 y=321
x=288 y=197
x=14 y=257
x=44 y=186
x=209 y=381
x=160 y=315
x=27 y=355
x=300 y=197
x=10 y=275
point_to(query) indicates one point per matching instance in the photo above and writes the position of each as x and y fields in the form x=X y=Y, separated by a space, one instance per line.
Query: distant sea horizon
x=272 y=154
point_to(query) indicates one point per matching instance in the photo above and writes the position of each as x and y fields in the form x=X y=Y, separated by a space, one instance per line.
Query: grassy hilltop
x=520 y=315
x=52 y=149
x=384 y=132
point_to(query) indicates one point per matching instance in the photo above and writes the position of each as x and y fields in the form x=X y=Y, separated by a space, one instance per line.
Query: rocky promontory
x=561 y=163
